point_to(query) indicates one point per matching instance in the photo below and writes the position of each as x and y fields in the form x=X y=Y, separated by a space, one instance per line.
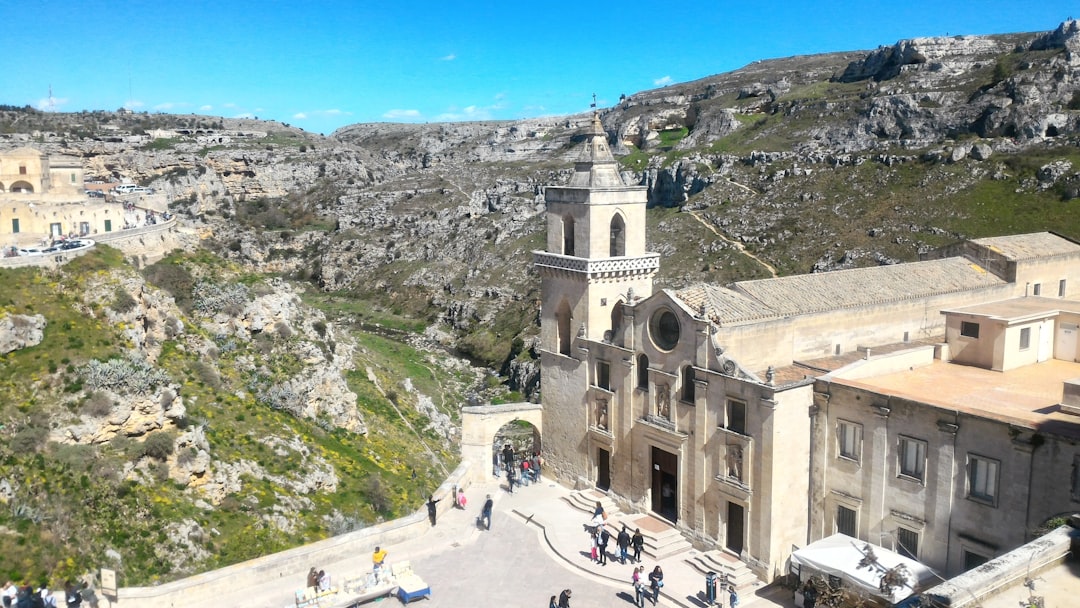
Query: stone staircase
x=661 y=538
x=726 y=565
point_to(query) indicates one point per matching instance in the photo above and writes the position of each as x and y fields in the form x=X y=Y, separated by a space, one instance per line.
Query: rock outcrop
x=20 y=331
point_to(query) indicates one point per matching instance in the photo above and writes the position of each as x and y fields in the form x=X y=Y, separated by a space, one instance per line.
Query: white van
x=125 y=188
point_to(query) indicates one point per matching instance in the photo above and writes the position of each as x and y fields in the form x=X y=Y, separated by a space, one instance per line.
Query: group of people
x=318 y=579
x=520 y=470
x=25 y=596
x=563 y=600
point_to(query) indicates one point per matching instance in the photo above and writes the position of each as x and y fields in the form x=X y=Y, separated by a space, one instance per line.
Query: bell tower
x=595 y=248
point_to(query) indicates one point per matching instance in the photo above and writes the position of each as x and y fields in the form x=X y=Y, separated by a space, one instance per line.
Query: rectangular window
x=845 y=521
x=736 y=416
x=969 y=329
x=1025 y=338
x=603 y=375
x=73 y=178
x=108 y=225
x=22 y=169
x=907 y=543
x=1037 y=289
x=982 y=478
x=1061 y=288
x=848 y=434
x=973 y=560
x=912 y=458
x=15 y=225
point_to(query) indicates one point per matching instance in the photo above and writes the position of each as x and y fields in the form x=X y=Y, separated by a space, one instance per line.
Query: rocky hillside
x=423 y=234
x=194 y=414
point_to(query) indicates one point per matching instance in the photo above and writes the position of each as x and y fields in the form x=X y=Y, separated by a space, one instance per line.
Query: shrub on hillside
x=97 y=404
x=123 y=376
x=159 y=445
x=173 y=278
x=122 y=301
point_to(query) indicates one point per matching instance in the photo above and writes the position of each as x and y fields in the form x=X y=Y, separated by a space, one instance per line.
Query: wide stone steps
x=585 y=500
x=722 y=563
x=661 y=539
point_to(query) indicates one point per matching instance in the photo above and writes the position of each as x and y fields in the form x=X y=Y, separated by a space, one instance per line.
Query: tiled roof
x=811 y=293
x=724 y=306
x=1028 y=246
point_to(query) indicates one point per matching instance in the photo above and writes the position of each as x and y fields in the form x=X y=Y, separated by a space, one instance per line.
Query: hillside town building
x=926 y=407
x=43 y=197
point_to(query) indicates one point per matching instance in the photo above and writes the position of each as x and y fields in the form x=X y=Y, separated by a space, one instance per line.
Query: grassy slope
x=72 y=503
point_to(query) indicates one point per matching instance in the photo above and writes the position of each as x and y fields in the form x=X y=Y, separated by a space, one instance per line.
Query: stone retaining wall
x=204 y=589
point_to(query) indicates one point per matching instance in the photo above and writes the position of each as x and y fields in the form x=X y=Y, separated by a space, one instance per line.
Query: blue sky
x=320 y=65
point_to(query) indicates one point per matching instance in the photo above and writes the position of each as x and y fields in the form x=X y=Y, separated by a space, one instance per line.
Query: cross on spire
x=593 y=105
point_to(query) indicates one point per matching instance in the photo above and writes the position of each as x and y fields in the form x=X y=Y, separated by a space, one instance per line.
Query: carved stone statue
x=735 y=461
x=663 y=401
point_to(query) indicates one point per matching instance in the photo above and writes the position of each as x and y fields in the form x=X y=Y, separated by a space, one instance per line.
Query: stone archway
x=479 y=423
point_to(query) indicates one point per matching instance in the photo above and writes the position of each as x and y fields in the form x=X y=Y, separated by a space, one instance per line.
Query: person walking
x=431 y=508
x=623 y=542
x=485 y=513
x=638 y=541
x=733 y=597
x=594 y=543
x=564 y=599
x=602 y=543
x=553 y=603
x=510 y=480
x=656 y=581
x=639 y=586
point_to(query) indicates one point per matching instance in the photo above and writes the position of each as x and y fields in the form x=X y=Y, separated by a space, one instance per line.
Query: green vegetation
x=73 y=502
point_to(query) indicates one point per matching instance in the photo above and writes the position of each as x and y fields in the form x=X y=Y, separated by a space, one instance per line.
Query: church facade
x=705 y=405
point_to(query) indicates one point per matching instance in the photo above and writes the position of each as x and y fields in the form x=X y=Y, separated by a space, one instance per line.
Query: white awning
x=840 y=554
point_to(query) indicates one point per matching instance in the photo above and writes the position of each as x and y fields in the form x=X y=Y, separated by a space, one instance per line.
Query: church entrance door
x=665 y=484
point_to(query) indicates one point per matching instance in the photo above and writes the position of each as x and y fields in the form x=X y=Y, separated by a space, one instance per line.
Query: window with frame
x=969 y=329
x=982 y=478
x=846 y=521
x=1025 y=338
x=1037 y=289
x=907 y=543
x=643 y=372
x=973 y=560
x=736 y=416
x=687 y=393
x=912 y=458
x=603 y=375
x=848 y=435
x=1061 y=288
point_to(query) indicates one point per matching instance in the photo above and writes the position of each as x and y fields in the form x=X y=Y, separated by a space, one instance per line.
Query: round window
x=664 y=328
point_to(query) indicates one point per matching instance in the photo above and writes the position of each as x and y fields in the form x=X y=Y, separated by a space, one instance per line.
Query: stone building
x=43 y=197
x=700 y=405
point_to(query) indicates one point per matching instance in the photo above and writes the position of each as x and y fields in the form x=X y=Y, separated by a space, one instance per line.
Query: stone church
x=761 y=416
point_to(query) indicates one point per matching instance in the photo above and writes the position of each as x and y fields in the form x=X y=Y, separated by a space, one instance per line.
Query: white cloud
x=206 y=108
x=244 y=115
x=473 y=112
x=402 y=114
x=299 y=116
x=131 y=104
x=449 y=57
x=663 y=82
x=230 y=105
x=171 y=105
x=51 y=103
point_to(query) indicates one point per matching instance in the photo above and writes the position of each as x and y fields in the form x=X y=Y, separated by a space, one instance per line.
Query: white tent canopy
x=840 y=554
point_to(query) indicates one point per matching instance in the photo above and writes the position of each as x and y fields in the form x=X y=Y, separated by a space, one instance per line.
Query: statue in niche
x=601 y=414
x=663 y=401
x=735 y=461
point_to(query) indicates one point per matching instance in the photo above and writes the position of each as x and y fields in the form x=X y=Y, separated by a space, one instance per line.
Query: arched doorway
x=483 y=425
x=22 y=187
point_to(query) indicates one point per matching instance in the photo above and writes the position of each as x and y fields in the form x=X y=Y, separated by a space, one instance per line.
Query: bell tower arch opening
x=568 y=235
x=617 y=237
